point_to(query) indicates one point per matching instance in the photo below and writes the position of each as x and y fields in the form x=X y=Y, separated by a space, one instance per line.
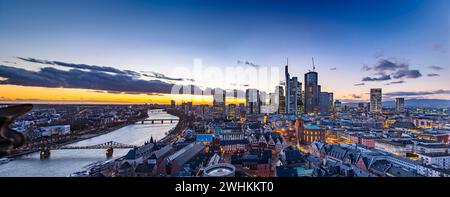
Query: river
x=64 y=162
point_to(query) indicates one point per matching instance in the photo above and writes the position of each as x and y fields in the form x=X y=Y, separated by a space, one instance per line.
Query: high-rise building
x=173 y=104
x=187 y=107
x=325 y=103
x=311 y=104
x=263 y=99
x=293 y=93
x=287 y=95
x=281 y=100
x=337 y=106
x=361 y=107
x=299 y=98
x=375 y=100
x=252 y=100
x=232 y=112
x=219 y=100
x=400 y=105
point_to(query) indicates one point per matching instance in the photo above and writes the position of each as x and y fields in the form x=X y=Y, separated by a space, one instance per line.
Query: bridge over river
x=108 y=146
x=160 y=120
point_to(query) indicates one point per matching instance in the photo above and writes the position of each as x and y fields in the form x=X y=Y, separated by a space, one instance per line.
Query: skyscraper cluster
x=293 y=96
x=311 y=101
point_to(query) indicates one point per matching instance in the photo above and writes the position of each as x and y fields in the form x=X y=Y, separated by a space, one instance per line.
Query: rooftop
x=312 y=127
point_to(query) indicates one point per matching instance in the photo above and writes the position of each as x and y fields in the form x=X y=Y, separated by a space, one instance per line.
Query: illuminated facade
x=253 y=101
x=219 y=99
x=325 y=103
x=400 y=105
x=312 y=89
x=375 y=100
x=310 y=133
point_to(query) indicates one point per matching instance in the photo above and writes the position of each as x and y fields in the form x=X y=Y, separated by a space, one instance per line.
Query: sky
x=111 y=51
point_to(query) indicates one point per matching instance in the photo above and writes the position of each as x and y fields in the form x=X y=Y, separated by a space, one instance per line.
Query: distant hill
x=421 y=103
x=415 y=103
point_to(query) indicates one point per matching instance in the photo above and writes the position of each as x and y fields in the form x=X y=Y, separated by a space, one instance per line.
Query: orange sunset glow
x=27 y=94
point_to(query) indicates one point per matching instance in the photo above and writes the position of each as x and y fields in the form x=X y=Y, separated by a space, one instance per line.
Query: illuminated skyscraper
x=293 y=93
x=219 y=100
x=281 y=100
x=337 y=106
x=253 y=101
x=400 y=105
x=299 y=98
x=311 y=105
x=288 y=88
x=326 y=103
x=375 y=100
x=173 y=104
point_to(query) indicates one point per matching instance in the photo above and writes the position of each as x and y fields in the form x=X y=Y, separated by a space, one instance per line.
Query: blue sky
x=157 y=35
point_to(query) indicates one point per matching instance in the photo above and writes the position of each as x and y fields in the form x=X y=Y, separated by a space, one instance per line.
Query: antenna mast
x=314 y=66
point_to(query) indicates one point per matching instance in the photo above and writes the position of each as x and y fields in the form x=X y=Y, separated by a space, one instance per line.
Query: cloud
x=388 y=65
x=333 y=68
x=8 y=62
x=356 y=96
x=407 y=73
x=383 y=77
x=436 y=67
x=433 y=75
x=160 y=76
x=417 y=93
x=359 y=84
x=107 y=69
x=248 y=63
x=390 y=69
x=78 y=66
x=165 y=77
x=75 y=78
x=395 y=82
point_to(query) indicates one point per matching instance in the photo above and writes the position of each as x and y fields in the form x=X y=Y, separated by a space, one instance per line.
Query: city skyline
x=222 y=89
x=401 y=47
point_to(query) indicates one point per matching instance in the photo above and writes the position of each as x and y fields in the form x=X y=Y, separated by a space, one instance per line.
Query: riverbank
x=62 y=163
x=182 y=125
x=82 y=137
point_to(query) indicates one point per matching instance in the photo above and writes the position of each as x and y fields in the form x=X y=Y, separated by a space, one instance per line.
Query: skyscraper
x=231 y=114
x=375 y=100
x=311 y=104
x=219 y=100
x=288 y=88
x=293 y=96
x=337 y=106
x=325 y=103
x=293 y=93
x=252 y=100
x=281 y=100
x=400 y=105
x=361 y=107
x=173 y=104
x=299 y=98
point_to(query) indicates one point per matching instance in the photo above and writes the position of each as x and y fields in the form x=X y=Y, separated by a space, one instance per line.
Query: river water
x=64 y=162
